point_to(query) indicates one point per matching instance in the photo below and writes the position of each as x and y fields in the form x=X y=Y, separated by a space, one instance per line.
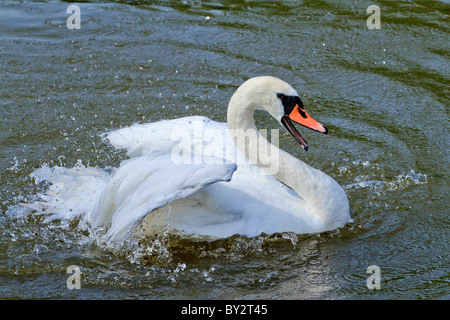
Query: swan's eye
x=289 y=102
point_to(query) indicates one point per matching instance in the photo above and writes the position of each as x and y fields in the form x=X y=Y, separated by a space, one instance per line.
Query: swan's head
x=281 y=101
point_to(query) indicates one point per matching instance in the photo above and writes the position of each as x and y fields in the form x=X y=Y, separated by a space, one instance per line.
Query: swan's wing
x=254 y=196
x=195 y=135
x=145 y=183
x=184 y=133
x=72 y=192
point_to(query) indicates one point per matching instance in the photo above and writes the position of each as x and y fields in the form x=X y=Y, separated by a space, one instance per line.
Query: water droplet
x=40 y=249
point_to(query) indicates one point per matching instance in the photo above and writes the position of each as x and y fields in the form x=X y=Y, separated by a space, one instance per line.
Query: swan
x=198 y=177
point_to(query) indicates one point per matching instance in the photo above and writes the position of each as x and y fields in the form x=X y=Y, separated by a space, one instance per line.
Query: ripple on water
x=140 y=61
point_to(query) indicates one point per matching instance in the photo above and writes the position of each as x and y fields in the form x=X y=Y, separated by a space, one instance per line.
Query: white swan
x=187 y=174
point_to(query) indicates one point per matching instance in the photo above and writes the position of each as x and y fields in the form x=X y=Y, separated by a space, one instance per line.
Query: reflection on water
x=382 y=94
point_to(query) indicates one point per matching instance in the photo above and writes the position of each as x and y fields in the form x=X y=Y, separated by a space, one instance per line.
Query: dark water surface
x=383 y=94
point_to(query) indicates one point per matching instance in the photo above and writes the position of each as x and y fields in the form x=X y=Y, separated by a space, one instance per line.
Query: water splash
x=400 y=182
x=292 y=237
x=156 y=249
x=68 y=197
x=58 y=201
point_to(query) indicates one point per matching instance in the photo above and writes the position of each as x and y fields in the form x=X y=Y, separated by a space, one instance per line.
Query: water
x=382 y=93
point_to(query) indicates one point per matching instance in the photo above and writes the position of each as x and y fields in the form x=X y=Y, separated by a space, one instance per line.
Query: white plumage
x=188 y=175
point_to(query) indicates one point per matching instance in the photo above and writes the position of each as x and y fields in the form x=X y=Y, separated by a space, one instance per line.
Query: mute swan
x=192 y=175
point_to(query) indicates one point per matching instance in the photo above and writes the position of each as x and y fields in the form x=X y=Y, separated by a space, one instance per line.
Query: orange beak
x=300 y=116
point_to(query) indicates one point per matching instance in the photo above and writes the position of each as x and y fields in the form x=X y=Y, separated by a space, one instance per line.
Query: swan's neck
x=320 y=192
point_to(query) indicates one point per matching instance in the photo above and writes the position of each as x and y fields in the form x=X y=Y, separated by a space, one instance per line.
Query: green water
x=383 y=94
